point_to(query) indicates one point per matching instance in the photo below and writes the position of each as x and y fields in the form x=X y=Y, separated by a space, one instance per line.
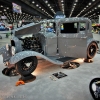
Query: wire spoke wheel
x=91 y=51
x=27 y=65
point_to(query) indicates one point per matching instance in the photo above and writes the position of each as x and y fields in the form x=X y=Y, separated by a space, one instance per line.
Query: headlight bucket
x=13 y=50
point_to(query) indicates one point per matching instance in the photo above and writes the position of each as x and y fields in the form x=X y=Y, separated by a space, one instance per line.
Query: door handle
x=83 y=37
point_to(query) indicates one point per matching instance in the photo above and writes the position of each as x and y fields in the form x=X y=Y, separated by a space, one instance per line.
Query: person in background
x=12 y=30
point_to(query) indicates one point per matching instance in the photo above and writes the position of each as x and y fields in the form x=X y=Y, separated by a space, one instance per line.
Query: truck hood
x=32 y=28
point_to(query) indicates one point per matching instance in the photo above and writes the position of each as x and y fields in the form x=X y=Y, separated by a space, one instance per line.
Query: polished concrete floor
x=73 y=87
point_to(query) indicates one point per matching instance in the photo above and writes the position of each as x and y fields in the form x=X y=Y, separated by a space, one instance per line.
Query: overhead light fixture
x=74 y=6
x=93 y=0
x=89 y=3
x=98 y=5
x=48 y=4
x=37 y=5
x=76 y=0
x=46 y=1
x=4 y=9
x=33 y=2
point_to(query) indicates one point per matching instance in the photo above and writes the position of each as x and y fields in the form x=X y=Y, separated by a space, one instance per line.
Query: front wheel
x=91 y=51
x=27 y=65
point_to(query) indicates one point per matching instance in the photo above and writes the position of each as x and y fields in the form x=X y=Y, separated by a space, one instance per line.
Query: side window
x=82 y=26
x=69 y=28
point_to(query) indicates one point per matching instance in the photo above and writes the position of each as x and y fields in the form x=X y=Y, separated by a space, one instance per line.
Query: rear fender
x=21 y=55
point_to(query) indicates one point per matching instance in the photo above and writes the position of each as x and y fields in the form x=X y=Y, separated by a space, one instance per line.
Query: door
x=72 y=40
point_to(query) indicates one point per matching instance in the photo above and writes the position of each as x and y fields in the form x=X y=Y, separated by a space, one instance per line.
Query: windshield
x=48 y=27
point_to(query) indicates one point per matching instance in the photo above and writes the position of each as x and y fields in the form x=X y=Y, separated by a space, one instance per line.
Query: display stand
x=88 y=60
x=28 y=78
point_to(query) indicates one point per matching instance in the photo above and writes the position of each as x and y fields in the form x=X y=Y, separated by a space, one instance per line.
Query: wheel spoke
x=27 y=65
x=92 y=50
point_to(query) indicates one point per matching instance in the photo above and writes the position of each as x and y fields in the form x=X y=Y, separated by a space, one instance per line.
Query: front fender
x=92 y=40
x=21 y=55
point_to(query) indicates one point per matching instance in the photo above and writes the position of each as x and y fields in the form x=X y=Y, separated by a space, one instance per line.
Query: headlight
x=7 y=47
x=13 y=50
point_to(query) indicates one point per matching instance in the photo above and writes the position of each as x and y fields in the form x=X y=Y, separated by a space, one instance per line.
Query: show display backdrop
x=16 y=8
x=59 y=14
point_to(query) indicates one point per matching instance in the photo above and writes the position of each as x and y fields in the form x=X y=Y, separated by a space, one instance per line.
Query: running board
x=21 y=55
x=65 y=59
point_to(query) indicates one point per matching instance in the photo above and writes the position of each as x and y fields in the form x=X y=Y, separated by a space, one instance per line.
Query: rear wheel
x=27 y=65
x=91 y=51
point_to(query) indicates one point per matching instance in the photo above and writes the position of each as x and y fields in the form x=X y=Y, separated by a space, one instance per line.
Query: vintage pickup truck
x=56 y=40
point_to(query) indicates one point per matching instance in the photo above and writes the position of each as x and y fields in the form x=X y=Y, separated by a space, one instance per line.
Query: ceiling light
x=37 y=5
x=74 y=3
x=33 y=2
x=76 y=0
x=1 y=6
x=89 y=3
x=62 y=1
x=95 y=8
x=73 y=6
x=98 y=5
x=48 y=4
x=93 y=0
x=46 y=1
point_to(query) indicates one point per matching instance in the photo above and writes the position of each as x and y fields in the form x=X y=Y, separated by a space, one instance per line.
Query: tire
x=23 y=68
x=92 y=50
x=95 y=93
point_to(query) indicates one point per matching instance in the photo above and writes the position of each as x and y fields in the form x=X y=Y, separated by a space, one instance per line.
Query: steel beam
x=25 y=7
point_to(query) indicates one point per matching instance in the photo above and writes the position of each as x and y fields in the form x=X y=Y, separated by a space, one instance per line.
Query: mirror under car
x=94 y=88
